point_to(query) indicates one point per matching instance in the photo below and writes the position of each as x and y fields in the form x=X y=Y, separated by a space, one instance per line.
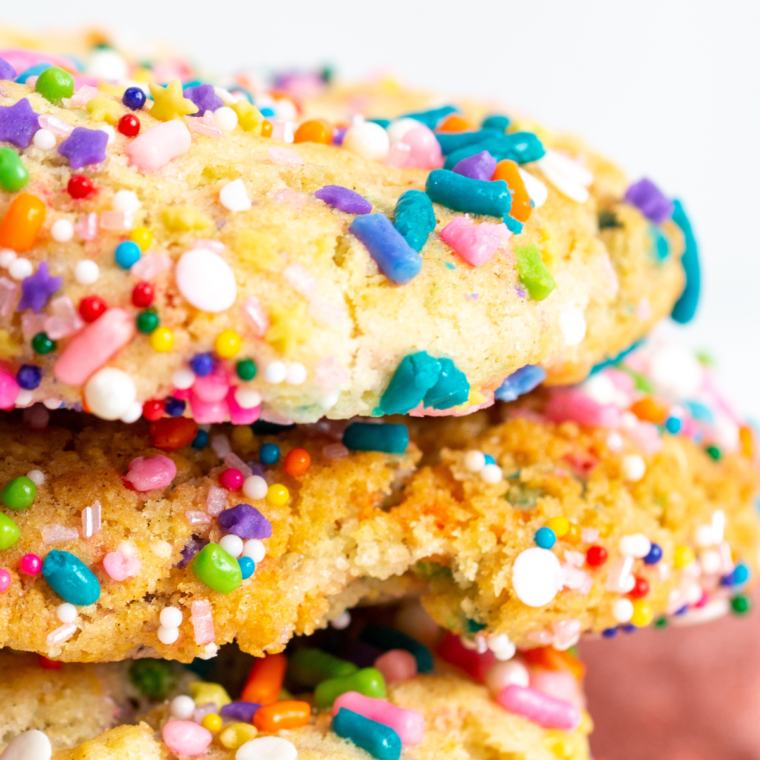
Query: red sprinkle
x=172 y=433
x=80 y=186
x=49 y=664
x=231 y=479
x=129 y=125
x=143 y=295
x=153 y=409
x=641 y=589
x=596 y=556
x=91 y=307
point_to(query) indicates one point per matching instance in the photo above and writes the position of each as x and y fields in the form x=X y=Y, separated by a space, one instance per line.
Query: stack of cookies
x=329 y=421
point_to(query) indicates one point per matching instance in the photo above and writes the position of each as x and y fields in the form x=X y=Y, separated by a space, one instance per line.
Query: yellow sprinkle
x=111 y=89
x=142 y=236
x=236 y=735
x=169 y=102
x=290 y=327
x=162 y=339
x=474 y=399
x=104 y=109
x=682 y=556
x=560 y=526
x=249 y=117
x=183 y=219
x=242 y=436
x=642 y=614
x=227 y=344
x=9 y=348
x=204 y=692
x=278 y=495
x=143 y=75
x=560 y=743
x=211 y=722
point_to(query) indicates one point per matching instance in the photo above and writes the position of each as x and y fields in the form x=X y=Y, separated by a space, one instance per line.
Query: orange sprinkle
x=573 y=534
x=282 y=715
x=747 y=441
x=172 y=433
x=266 y=128
x=315 y=131
x=649 y=409
x=297 y=462
x=265 y=679
x=552 y=659
x=22 y=223
x=510 y=173
x=454 y=123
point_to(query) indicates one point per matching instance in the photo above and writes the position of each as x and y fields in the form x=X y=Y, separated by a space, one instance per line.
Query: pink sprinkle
x=64 y=319
x=53 y=533
x=158 y=145
x=61 y=634
x=81 y=97
x=233 y=460
x=9 y=390
x=148 y=267
x=86 y=226
x=335 y=451
x=398 y=155
x=408 y=724
x=475 y=243
x=205 y=125
x=208 y=412
x=89 y=350
x=574 y=406
x=5 y=580
x=646 y=437
x=300 y=279
x=31 y=323
x=213 y=387
x=619 y=576
x=326 y=312
x=91 y=520
x=53 y=124
x=397 y=665
x=559 y=684
x=30 y=564
x=282 y=130
x=150 y=474
x=231 y=479
x=240 y=415
x=255 y=315
x=330 y=373
x=203 y=710
x=543 y=709
x=216 y=500
x=195 y=517
x=425 y=149
x=120 y=566
x=285 y=156
x=290 y=197
x=566 y=633
x=589 y=535
x=118 y=221
x=9 y=293
x=203 y=623
x=185 y=737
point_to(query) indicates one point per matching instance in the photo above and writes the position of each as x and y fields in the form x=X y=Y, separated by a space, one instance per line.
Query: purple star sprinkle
x=38 y=288
x=245 y=521
x=6 y=70
x=650 y=200
x=204 y=97
x=18 y=123
x=480 y=166
x=84 y=146
x=343 y=199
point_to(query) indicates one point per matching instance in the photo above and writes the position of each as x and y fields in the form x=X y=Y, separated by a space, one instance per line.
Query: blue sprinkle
x=545 y=538
x=521 y=381
x=29 y=377
x=660 y=245
x=700 y=411
x=127 y=254
x=673 y=425
x=367 y=436
x=739 y=576
x=32 y=71
x=686 y=305
x=381 y=741
x=489 y=459
x=397 y=260
x=609 y=633
x=496 y=121
x=269 y=453
x=451 y=389
x=70 y=578
x=201 y=440
x=414 y=377
x=654 y=556
x=247 y=566
x=432 y=118
x=267 y=112
x=174 y=407
x=474 y=196
x=414 y=218
x=628 y=628
x=202 y=364
x=133 y=98
x=615 y=359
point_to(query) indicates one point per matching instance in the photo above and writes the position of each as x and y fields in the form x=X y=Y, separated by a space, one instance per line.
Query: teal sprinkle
x=513 y=225
x=496 y=121
x=473 y=196
x=379 y=740
x=70 y=578
x=660 y=245
x=368 y=436
x=451 y=389
x=432 y=118
x=448 y=265
x=414 y=377
x=686 y=306
x=521 y=147
x=414 y=218
x=384 y=123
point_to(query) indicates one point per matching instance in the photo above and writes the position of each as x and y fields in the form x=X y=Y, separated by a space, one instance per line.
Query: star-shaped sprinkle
x=249 y=117
x=37 y=289
x=289 y=327
x=18 y=123
x=204 y=96
x=84 y=146
x=169 y=102
x=104 y=109
x=6 y=70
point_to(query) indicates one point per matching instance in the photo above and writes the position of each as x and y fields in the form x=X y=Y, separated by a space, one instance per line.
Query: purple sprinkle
x=650 y=200
x=84 y=147
x=338 y=135
x=240 y=711
x=18 y=123
x=6 y=70
x=520 y=292
x=480 y=166
x=192 y=547
x=245 y=521
x=257 y=468
x=37 y=289
x=343 y=199
x=204 y=96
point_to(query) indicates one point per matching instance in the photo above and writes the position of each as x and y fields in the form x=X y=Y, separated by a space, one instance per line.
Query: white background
x=669 y=89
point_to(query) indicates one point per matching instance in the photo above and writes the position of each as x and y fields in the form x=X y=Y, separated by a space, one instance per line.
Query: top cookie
x=176 y=255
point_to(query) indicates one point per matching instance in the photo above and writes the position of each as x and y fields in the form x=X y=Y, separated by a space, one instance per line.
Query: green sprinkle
x=9 y=532
x=661 y=622
x=312 y=666
x=13 y=173
x=18 y=494
x=706 y=358
x=217 y=569
x=42 y=344
x=55 y=84
x=367 y=681
x=246 y=369
x=473 y=626
x=153 y=678
x=713 y=452
x=641 y=382
x=147 y=321
x=741 y=605
x=533 y=273
x=608 y=220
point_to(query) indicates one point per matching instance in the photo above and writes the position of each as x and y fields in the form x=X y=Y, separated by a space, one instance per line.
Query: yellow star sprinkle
x=204 y=692
x=289 y=327
x=9 y=348
x=169 y=102
x=249 y=117
x=474 y=399
x=103 y=109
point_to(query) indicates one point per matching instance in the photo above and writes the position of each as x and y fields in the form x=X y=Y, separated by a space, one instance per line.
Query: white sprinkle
x=275 y=372
x=226 y=119
x=62 y=230
x=619 y=575
x=110 y=393
x=537 y=190
x=20 y=269
x=66 y=612
x=86 y=272
x=474 y=461
x=705 y=535
x=110 y=131
x=491 y=474
x=182 y=707
x=254 y=549
x=125 y=200
x=505 y=674
x=295 y=374
x=676 y=372
x=206 y=280
x=52 y=403
x=220 y=445
x=183 y=379
x=171 y=617
x=7 y=257
x=367 y=140
x=63 y=633
x=342 y=621
x=573 y=326
x=247 y=398
x=107 y=63
x=502 y=647
x=719 y=525
x=132 y=414
x=255 y=487
x=615 y=441
x=635 y=545
x=167 y=634
x=216 y=500
x=91 y=520
x=44 y=139
x=233 y=196
x=232 y=544
x=567 y=175
x=31 y=745
x=710 y=561
x=36 y=476
x=53 y=533
x=622 y=610
x=634 y=467
x=536 y=576
x=266 y=748
x=397 y=129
